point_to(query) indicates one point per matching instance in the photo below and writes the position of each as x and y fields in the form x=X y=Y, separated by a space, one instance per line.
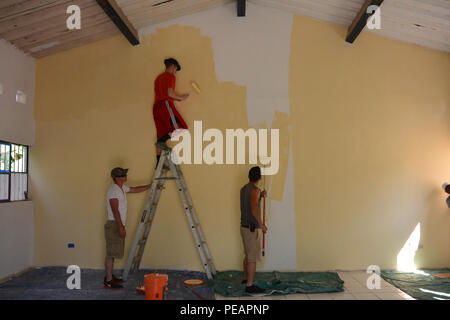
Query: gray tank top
x=247 y=218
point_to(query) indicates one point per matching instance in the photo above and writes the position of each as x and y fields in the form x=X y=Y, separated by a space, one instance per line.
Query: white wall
x=16 y=237
x=16 y=73
x=16 y=126
x=267 y=52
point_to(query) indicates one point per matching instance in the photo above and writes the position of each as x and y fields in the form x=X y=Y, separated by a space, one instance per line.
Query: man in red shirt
x=165 y=122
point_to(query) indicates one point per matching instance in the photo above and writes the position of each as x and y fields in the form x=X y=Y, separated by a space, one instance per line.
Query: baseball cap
x=118 y=172
x=172 y=61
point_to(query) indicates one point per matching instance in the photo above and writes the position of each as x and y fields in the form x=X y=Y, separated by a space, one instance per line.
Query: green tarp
x=422 y=284
x=228 y=283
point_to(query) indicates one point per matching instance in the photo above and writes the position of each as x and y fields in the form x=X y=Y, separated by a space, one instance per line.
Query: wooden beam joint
x=120 y=20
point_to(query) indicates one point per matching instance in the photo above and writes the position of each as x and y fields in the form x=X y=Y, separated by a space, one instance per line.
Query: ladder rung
x=167 y=178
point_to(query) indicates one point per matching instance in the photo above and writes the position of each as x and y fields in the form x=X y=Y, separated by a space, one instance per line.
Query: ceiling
x=38 y=27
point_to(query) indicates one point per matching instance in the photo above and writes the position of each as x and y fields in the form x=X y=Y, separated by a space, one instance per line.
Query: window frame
x=9 y=172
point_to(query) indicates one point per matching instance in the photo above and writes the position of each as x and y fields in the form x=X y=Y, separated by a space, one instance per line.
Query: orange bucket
x=155 y=286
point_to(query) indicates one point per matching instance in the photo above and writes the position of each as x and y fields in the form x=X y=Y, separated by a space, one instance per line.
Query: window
x=13 y=172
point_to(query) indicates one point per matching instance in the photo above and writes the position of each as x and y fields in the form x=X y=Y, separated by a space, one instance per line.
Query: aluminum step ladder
x=143 y=231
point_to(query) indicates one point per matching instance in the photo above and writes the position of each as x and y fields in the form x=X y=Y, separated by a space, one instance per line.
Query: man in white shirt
x=115 y=233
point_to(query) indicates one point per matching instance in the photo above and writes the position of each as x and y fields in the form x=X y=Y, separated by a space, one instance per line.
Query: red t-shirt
x=163 y=82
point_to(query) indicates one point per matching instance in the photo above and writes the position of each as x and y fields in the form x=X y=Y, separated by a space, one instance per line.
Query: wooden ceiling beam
x=241 y=8
x=117 y=16
x=360 y=20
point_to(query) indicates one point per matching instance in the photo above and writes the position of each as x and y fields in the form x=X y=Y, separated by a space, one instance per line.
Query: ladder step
x=167 y=178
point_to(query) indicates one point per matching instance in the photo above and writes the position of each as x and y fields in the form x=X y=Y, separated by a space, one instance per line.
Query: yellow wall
x=369 y=134
x=371 y=148
x=93 y=112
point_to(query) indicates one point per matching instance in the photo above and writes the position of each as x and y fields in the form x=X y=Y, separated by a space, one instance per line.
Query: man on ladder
x=168 y=123
x=166 y=116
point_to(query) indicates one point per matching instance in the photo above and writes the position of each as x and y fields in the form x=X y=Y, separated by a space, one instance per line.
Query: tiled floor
x=355 y=288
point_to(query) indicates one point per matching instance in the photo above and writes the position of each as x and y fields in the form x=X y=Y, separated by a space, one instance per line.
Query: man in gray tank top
x=251 y=227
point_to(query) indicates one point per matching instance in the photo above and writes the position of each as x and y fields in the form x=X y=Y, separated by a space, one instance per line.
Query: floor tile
x=359 y=290
x=366 y=296
x=389 y=296
x=342 y=296
x=405 y=296
x=353 y=284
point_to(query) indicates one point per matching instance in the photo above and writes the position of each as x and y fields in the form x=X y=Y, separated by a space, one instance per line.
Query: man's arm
x=114 y=203
x=171 y=93
x=254 y=199
x=139 y=189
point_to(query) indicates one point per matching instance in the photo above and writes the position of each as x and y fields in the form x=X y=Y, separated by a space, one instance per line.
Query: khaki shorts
x=114 y=243
x=252 y=244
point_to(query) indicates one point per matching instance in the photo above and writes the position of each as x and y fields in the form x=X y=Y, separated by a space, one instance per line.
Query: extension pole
x=264 y=217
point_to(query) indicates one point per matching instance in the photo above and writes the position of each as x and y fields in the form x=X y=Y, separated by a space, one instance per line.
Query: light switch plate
x=21 y=97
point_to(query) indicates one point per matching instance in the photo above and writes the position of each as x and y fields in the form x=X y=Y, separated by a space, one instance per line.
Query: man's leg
x=109 y=264
x=251 y=270
x=245 y=269
x=253 y=253
x=160 y=145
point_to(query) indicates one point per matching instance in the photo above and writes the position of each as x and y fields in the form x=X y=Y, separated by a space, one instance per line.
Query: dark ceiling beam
x=360 y=20
x=241 y=6
x=117 y=16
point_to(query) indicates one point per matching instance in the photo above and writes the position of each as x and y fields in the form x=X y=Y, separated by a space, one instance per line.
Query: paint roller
x=196 y=87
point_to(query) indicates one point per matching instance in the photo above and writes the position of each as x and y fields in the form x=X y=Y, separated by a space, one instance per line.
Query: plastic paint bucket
x=155 y=286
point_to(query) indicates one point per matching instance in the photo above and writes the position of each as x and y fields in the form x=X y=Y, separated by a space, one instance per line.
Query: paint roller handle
x=264 y=229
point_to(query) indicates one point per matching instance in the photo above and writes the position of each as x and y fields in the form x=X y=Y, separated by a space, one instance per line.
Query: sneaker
x=111 y=285
x=116 y=280
x=252 y=290
x=163 y=146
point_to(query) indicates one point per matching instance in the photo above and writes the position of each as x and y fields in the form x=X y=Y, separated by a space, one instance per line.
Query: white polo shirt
x=115 y=192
